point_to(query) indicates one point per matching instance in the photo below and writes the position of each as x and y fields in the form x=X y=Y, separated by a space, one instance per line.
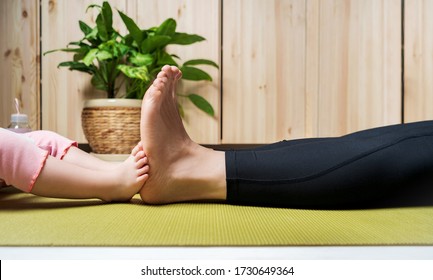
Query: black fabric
x=331 y=172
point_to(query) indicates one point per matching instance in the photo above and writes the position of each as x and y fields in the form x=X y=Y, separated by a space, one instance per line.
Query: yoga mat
x=28 y=220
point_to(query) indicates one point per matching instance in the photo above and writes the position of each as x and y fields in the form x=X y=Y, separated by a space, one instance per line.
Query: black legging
x=331 y=172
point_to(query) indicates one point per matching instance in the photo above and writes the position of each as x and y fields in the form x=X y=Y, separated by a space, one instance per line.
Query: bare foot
x=180 y=169
x=130 y=176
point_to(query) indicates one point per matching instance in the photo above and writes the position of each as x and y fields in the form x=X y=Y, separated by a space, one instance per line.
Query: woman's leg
x=346 y=171
x=329 y=172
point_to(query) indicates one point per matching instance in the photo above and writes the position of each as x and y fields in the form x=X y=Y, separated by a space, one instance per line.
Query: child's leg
x=65 y=180
x=31 y=169
x=78 y=157
x=65 y=149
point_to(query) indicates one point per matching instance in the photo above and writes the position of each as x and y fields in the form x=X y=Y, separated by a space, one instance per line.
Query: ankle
x=202 y=175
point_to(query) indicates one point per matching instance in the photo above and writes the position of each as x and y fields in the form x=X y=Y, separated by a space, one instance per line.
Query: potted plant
x=131 y=62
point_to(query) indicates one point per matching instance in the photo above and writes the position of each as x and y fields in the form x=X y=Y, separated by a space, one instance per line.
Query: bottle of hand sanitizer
x=19 y=122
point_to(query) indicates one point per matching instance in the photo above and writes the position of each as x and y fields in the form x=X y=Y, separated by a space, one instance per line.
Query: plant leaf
x=84 y=27
x=93 y=35
x=194 y=74
x=132 y=27
x=79 y=43
x=103 y=55
x=165 y=59
x=90 y=56
x=185 y=39
x=76 y=50
x=104 y=22
x=102 y=30
x=167 y=28
x=99 y=83
x=79 y=66
x=140 y=73
x=93 y=6
x=155 y=42
x=79 y=56
x=201 y=62
x=140 y=59
x=201 y=103
x=107 y=13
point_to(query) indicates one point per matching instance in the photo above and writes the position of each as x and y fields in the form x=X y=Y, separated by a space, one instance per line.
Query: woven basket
x=111 y=126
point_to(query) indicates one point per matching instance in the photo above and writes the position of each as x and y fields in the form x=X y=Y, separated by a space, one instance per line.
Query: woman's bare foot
x=180 y=169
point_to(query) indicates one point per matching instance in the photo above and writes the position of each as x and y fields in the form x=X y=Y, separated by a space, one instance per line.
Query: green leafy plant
x=135 y=58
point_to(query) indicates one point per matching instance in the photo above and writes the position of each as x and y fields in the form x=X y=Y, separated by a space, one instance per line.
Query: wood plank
x=264 y=70
x=202 y=18
x=312 y=68
x=343 y=60
x=360 y=65
x=418 y=53
x=19 y=60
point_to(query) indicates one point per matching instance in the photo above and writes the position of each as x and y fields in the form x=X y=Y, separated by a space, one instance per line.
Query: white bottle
x=19 y=123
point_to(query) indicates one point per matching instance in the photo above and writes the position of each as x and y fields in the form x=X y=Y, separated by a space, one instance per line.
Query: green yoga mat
x=27 y=220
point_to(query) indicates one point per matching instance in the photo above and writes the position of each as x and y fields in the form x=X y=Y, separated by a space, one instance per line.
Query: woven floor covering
x=27 y=220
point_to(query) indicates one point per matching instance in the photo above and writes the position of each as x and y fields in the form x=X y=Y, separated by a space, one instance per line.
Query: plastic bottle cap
x=19 y=118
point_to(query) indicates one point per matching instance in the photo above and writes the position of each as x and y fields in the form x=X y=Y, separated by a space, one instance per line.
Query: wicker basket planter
x=111 y=126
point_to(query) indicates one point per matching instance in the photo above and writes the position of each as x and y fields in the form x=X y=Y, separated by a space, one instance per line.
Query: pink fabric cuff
x=23 y=156
x=56 y=145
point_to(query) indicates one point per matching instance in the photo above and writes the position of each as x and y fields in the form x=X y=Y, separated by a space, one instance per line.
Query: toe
x=141 y=162
x=166 y=68
x=137 y=148
x=174 y=70
x=157 y=81
x=143 y=170
x=143 y=178
x=161 y=74
x=139 y=156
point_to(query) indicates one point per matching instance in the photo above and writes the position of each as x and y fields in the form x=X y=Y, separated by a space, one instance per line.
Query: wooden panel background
x=418 y=60
x=309 y=68
x=359 y=65
x=19 y=59
x=263 y=70
x=290 y=68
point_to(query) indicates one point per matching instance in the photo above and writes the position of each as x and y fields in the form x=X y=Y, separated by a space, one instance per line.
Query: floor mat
x=28 y=220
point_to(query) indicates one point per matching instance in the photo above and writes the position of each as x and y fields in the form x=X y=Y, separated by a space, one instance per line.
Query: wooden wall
x=289 y=68
x=309 y=68
x=418 y=60
x=19 y=59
